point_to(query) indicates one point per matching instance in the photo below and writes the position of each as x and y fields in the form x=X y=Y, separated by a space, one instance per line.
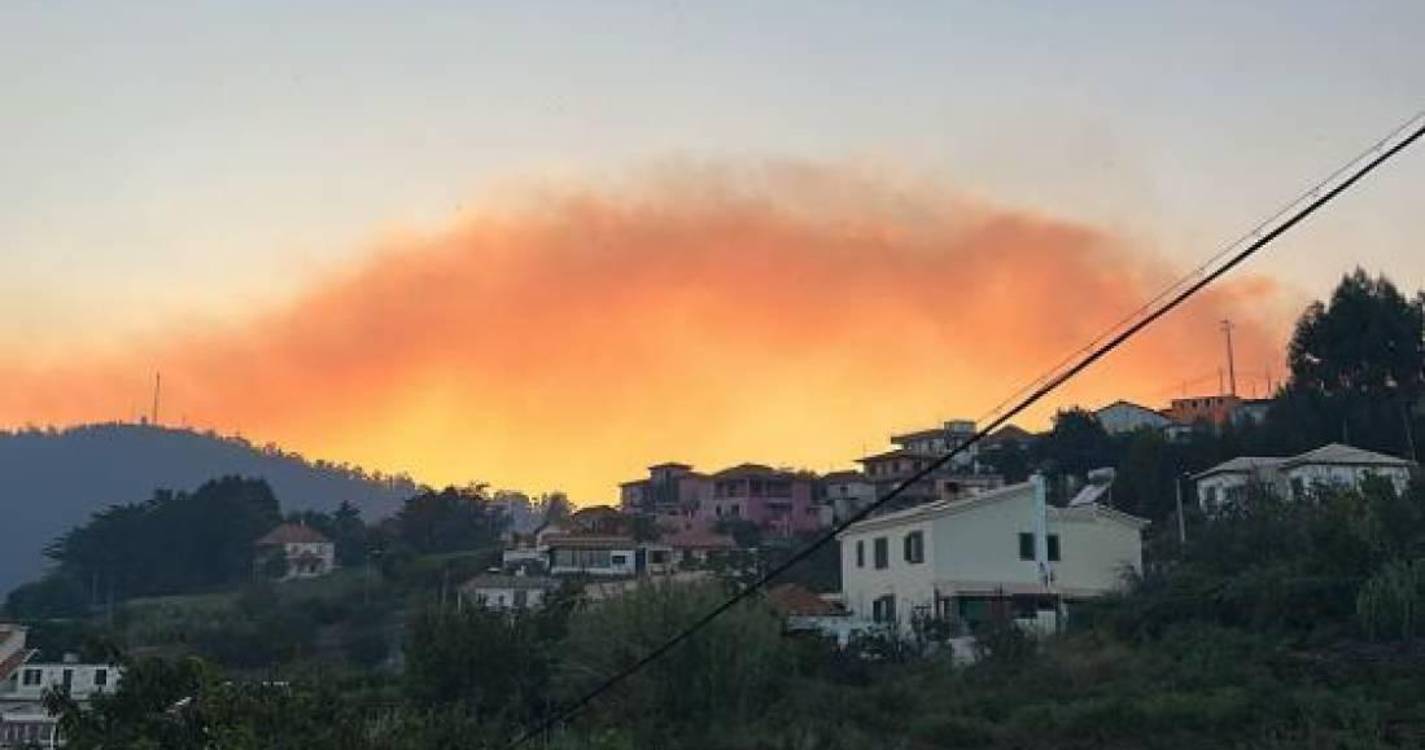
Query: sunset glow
x=790 y=313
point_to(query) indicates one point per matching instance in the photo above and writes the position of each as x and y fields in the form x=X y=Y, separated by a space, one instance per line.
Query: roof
x=698 y=539
x=897 y=453
x=589 y=541
x=1336 y=454
x=932 y=432
x=1241 y=465
x=596 y=510
x=796 y=600
x=670 y=465
x=501 y=581
x=1006 y=434
x=1131 y=405
x=941 y=508
x=845 y=476
x=293 y=533
x=749 y=470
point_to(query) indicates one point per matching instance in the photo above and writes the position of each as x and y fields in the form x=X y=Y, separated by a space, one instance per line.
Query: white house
x=846 y=492
x=24 y=721
x=589 y=554
x=1228 y=481
x=1121 y=417
x=1001 y=553
x=1332 y=465
x=1336 y=465
x=308 y=552
x=508 y=592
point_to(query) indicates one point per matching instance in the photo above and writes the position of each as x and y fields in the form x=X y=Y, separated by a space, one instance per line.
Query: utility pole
x=1182 y=525
x=157 y=386
x=1231 y=365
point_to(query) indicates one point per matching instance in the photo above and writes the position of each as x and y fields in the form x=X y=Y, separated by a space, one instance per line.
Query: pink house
x=781 y=502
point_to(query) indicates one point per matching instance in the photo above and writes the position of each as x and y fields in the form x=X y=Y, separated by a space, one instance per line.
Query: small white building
x=308 y=552
x=1122 y=417
x=1341 y=466
x=1333 y=465
x=846 y=492
x=24 y=721
x=508 y=592
x=1002 y=553
x=589 y=554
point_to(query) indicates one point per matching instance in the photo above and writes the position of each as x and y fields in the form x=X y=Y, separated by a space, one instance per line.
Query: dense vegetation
x=60 y=476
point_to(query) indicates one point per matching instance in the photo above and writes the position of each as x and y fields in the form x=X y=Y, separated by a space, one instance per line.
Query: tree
x=173 y=542
x=1077 y=444
x=448 y=521
x=1363 y=349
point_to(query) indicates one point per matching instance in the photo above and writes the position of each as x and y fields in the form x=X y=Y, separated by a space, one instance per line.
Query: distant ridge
x=52 y=479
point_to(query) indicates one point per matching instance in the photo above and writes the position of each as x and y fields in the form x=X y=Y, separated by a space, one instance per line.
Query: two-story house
x=671 y=490
x=778 y=501
x=307 y=552
x=1001 y=553
x=24 y=720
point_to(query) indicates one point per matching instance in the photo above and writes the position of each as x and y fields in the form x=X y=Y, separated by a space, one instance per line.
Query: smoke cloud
x=787 y=313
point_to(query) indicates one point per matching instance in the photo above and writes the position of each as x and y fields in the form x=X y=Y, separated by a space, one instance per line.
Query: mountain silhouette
x=52 y=479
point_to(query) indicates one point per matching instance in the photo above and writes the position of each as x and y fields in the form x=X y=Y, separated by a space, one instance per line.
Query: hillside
x=53 y=479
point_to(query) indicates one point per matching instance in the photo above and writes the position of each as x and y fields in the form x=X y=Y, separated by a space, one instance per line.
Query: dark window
x=861 y=554
x=914 y=547
x=1053 y=548
x=101 y=677
x=736 y=509
x=882 y=553
x=619 y=559
x=1026 y=545
x=68 y=678
x=883 y=609
x=32 y=676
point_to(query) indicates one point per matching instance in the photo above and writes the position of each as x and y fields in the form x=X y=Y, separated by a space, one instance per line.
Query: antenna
x=157 y=387
x=1231 y=366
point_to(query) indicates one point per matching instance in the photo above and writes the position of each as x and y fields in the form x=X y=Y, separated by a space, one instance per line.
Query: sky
x=547 y=244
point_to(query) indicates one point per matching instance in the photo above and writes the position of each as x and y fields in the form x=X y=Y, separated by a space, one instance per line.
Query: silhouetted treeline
x=51 y=480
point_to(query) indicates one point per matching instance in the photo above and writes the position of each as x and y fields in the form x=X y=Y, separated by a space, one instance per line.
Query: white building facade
x=1000 y=554
x=1330 y=467
x=24 y=721
x=1122 y=417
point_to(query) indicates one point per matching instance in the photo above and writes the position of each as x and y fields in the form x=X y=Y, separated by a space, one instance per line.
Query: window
x=619 y=560
x=1026 y=545
x=101 y=677
x=736 y=509
x=1053 y=548
x=882 y=553
x=32 y=676
x=68 y=679
x=883 y=609
x=659 y=556
x=860 y=553
x=914 y=547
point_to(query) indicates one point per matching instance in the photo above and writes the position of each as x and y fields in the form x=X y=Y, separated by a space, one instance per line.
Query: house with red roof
x=307 y=552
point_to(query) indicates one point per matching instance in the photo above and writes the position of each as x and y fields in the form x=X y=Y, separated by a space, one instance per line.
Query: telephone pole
x=157 y=386
x=1231 y=365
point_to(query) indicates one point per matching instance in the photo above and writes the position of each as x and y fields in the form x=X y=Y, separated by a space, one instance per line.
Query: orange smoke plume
x=789 y=314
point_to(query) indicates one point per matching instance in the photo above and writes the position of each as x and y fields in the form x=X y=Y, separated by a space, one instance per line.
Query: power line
x=1039 y=393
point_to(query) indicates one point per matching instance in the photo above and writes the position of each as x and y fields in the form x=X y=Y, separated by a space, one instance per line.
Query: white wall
x=33 y=679
x=504 y=598
x=1326 y=475
x=1120 y=418
x=978 y=548
x=1095 y=552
